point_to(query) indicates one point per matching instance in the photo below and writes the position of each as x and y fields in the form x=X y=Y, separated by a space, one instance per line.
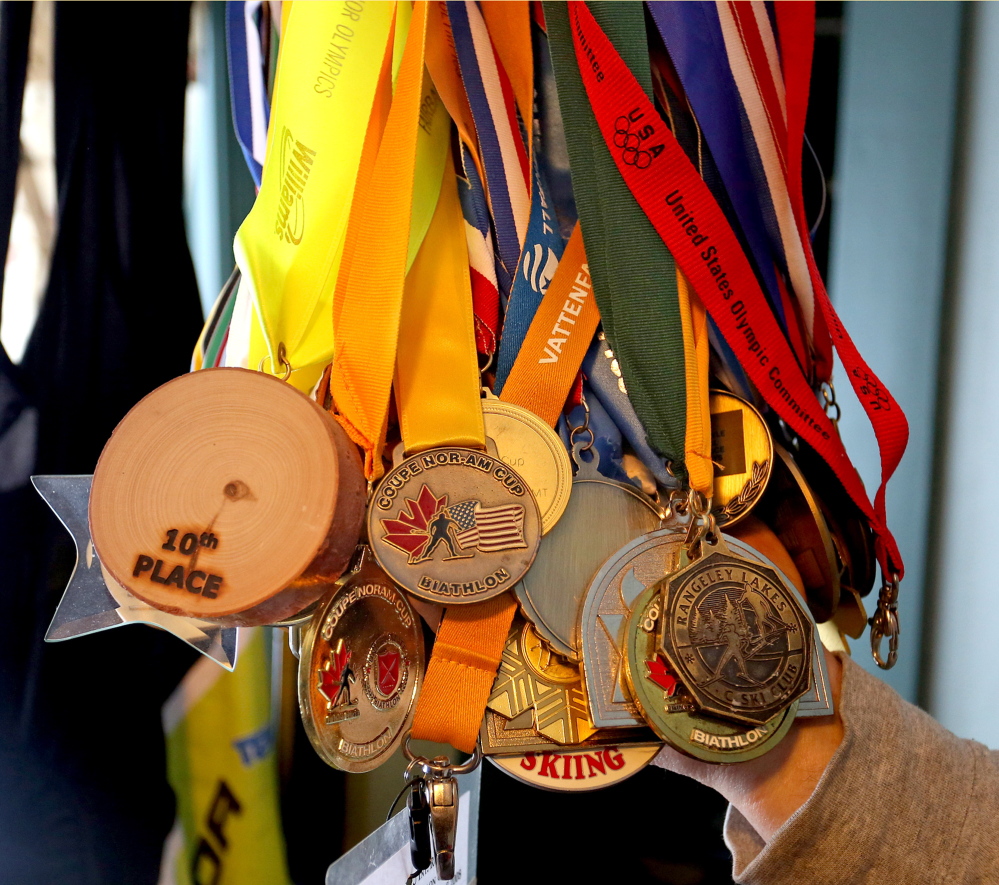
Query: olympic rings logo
x=630 y=144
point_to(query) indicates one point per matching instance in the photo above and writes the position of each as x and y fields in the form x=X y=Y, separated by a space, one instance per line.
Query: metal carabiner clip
x=884 y=624
x=441 y=787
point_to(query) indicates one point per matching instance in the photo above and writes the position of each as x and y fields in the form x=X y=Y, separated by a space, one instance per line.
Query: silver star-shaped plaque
x=93 y=601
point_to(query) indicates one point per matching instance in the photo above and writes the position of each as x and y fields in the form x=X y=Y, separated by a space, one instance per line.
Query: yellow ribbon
x=290 y=246
x=696 y=350
x=470 y=640
x=368 y=325
x=327 y=70
x=437 y=379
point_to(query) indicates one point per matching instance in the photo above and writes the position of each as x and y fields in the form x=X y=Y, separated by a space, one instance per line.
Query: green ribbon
x=633 y=273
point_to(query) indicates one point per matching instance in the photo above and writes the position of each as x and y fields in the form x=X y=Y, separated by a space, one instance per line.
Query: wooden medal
x=227 y=495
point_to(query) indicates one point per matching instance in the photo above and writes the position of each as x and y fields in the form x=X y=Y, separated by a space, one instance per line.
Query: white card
x=383 y=857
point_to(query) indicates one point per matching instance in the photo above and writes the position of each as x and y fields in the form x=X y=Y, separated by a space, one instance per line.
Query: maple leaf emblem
x=331 y=673
x=661 y=675
x=408 y=531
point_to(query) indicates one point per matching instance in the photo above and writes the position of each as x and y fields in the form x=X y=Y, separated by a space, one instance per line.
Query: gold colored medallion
x=360 y=670
x=742 y=450
x=532 y=677
x=602 y=517
x=535 y=451
x=500 y=736
x=454 y=525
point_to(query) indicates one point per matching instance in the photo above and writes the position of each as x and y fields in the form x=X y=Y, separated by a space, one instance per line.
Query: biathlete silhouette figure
x=442 y=528
x=343 y=692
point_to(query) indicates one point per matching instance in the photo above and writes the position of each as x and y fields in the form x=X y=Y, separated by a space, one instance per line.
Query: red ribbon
x=694 y=228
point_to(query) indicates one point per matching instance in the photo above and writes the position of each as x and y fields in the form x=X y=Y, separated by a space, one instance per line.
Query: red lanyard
x=692 y=225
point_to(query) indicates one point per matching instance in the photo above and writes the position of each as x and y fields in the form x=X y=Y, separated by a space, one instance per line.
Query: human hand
x=769 y=789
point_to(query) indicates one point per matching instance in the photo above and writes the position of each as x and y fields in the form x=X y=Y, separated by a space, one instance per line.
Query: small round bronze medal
x=360 y=670
x=792 y=510
x=454 y=525
x=736 y=635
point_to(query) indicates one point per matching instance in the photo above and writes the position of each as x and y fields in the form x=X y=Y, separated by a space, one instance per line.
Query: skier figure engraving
x=735 y=633
x=343 y=692
x=442 y=531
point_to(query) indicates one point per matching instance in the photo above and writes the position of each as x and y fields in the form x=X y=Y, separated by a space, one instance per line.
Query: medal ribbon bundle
x=582 y=436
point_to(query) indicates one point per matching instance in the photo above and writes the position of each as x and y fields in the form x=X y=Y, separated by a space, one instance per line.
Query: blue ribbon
x=692 y=34
x=543 y=247
x=240 y=95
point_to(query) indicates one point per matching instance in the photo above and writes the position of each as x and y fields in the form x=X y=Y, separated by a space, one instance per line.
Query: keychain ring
x=430 y=766
x=282 y=356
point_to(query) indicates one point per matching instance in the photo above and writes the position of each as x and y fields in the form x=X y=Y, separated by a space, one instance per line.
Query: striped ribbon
x=752 y=56
x=209 y=350
x=501 y=145
x=482 y=267
x=251 y=109
x=726 y=54
x=539 y=259
x=693 y=38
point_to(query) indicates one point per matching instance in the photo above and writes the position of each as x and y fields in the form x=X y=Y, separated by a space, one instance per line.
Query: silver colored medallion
x=602 y=517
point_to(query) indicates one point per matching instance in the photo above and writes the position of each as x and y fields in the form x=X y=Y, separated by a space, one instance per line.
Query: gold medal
x=534 y=450
x=360 y=670
x=500 y=736
x=742 y=451
x=851 y=615
x=454 y=525
x=735 y=634
x=532 y=677
x=602 y=517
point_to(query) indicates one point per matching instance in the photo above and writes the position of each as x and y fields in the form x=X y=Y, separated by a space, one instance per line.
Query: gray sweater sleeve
x=902 y=801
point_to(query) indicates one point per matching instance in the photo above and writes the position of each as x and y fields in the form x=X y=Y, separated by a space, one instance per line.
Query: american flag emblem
x=489 y=528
